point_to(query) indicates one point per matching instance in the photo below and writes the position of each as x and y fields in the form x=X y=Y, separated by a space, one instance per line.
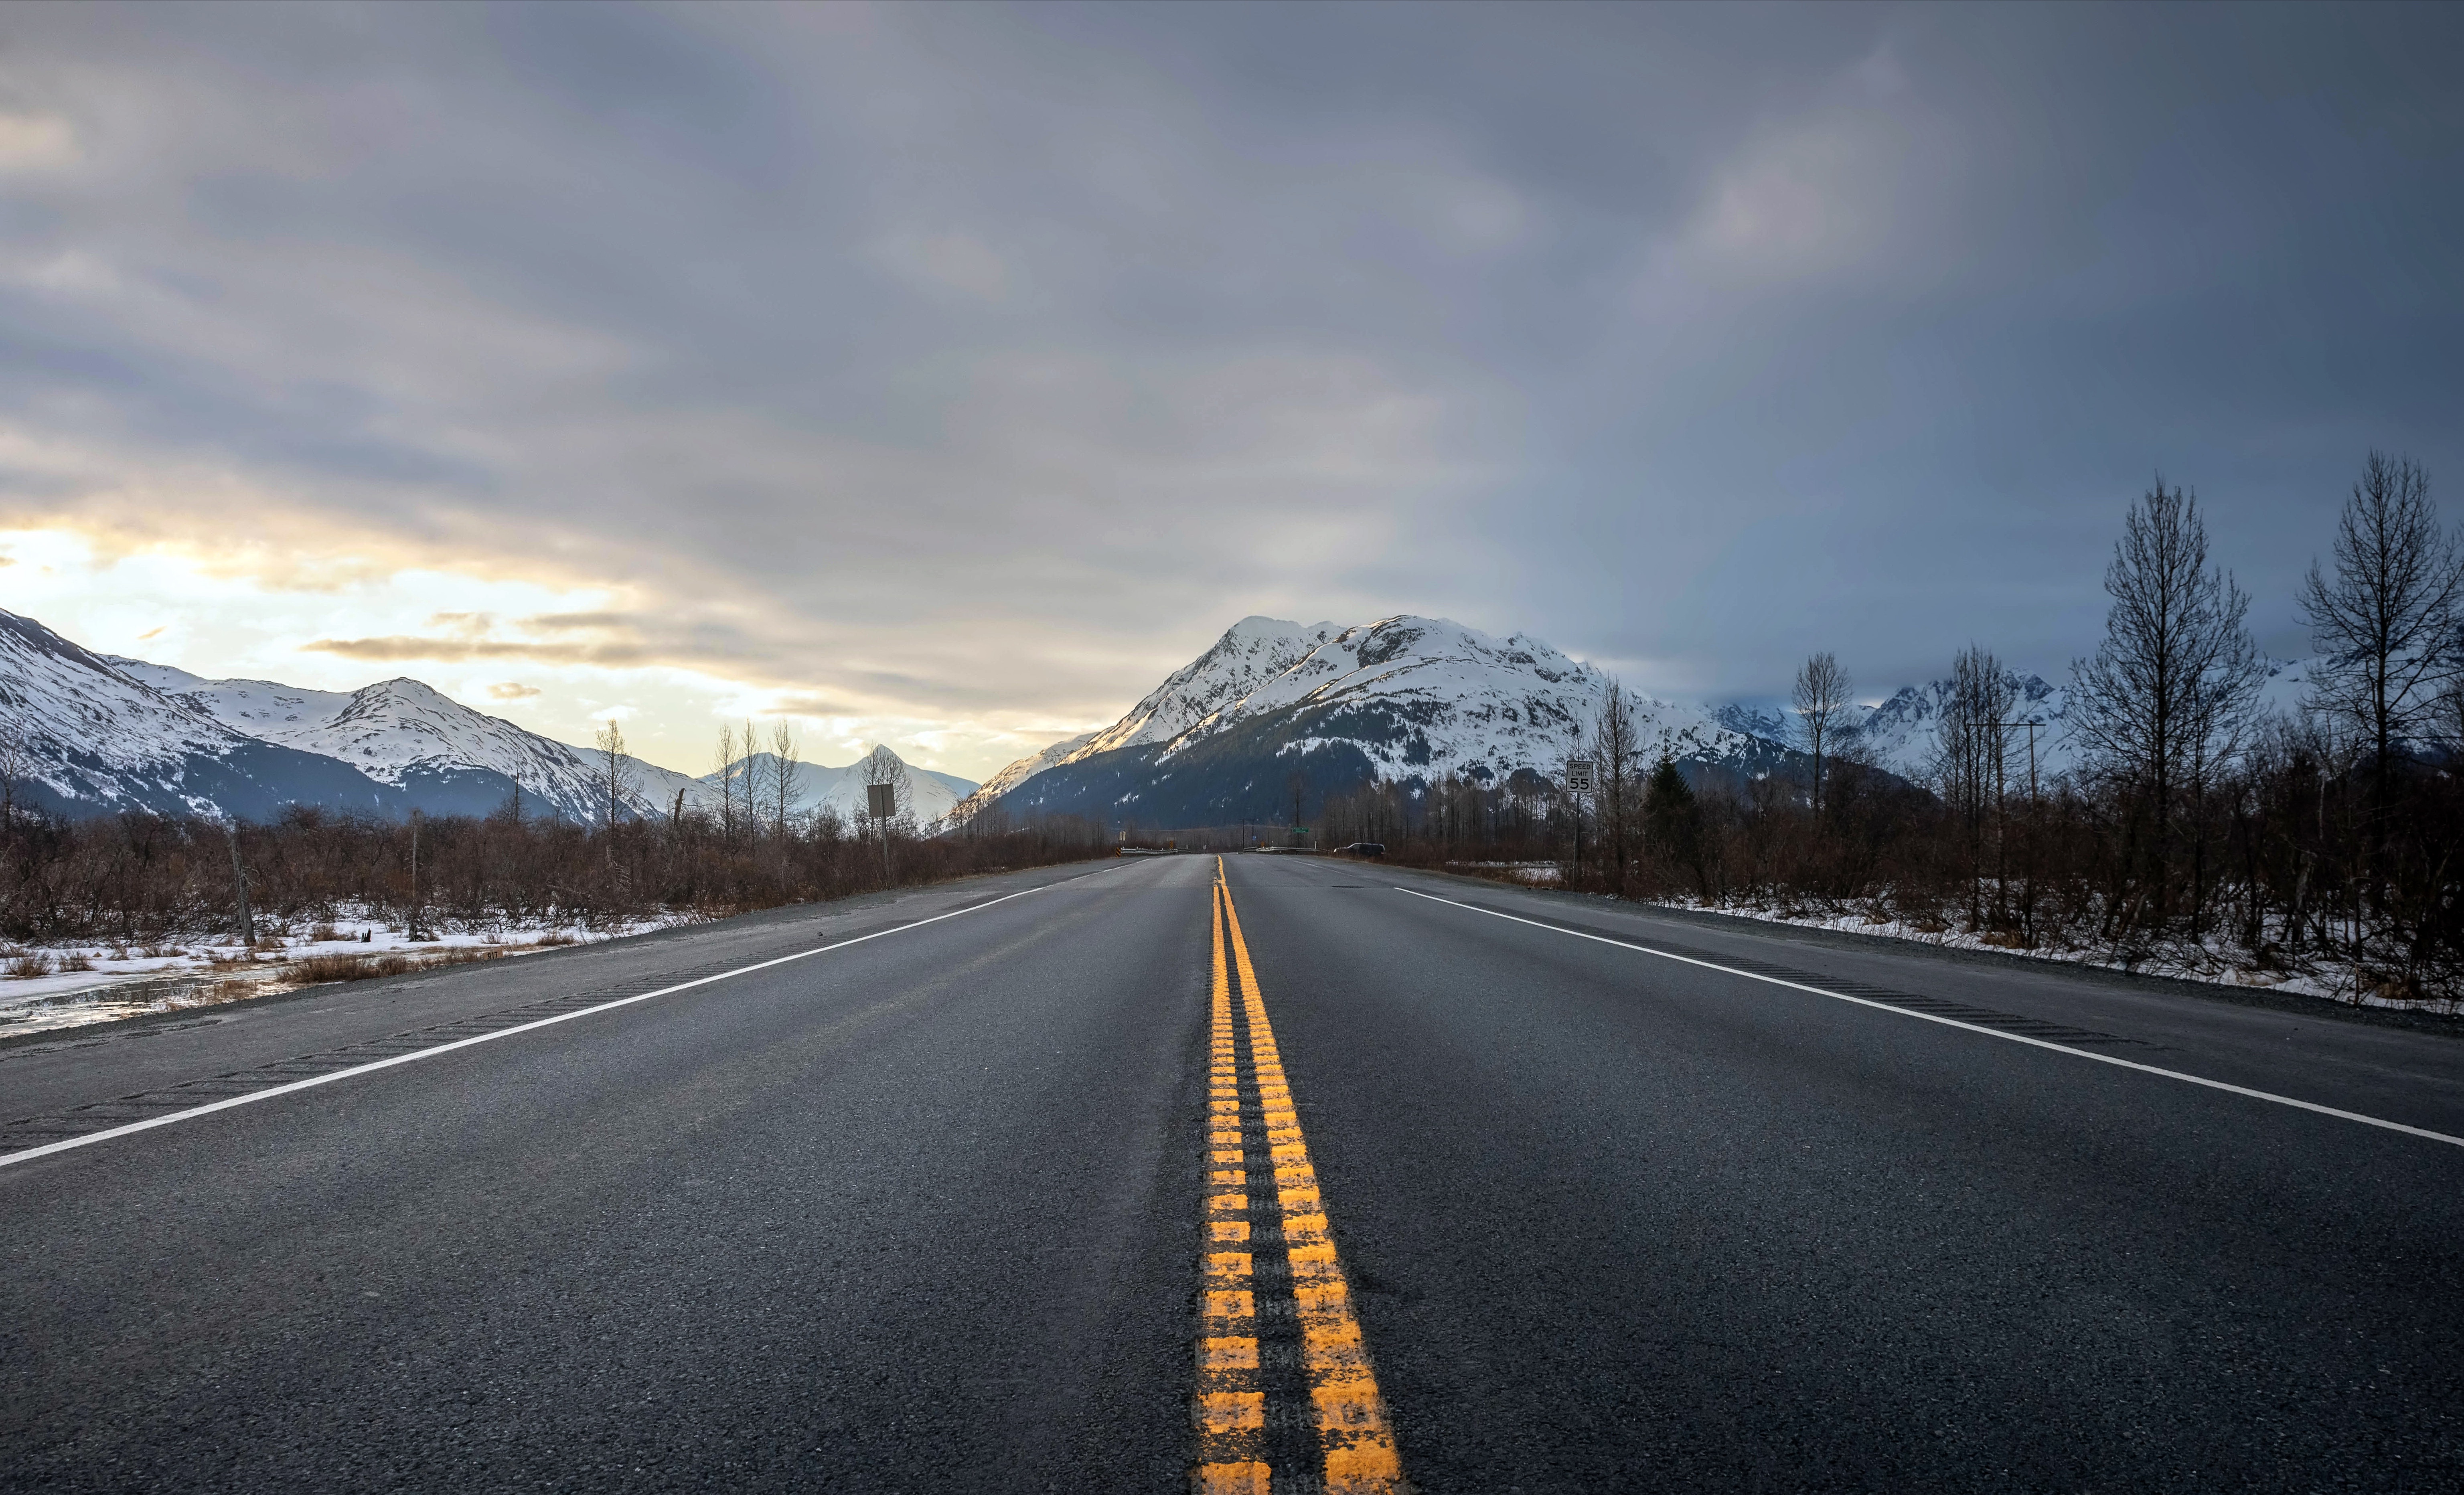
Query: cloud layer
x=955 y=371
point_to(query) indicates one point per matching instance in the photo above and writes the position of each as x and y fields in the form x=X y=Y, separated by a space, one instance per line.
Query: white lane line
x=1969 y=1027
x=416 y=1055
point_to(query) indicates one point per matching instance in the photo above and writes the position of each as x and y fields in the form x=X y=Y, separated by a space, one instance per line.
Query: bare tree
x=1615 y=742
x=752 y=782
x=619 y=783
x=2385 y=624
x=1971 y=741
x=724 y=771
x=2168 y=695
x=1820 y=698
x=1971 y=753
x=783 y=772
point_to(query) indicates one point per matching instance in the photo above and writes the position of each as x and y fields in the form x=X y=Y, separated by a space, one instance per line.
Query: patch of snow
x=2217 y=964
x=194 y=973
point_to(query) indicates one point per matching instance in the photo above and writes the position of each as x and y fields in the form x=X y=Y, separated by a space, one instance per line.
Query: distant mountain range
x=97 y=733
x=1899 y=733
x=1272 y=704
x=1408 y=698
x=1225 y=737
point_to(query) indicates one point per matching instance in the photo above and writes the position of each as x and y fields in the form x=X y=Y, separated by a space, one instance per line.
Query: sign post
x=881 y=800
x=1580 y=775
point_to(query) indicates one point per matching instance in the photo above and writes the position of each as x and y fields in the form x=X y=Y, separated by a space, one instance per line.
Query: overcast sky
x=946 y=375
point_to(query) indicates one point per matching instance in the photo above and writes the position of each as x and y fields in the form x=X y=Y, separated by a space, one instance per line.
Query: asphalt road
x=929 y=1211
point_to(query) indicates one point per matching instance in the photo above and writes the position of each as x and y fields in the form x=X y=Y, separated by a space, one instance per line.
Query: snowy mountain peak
x=397 y=732
x=57 y=692
x=92 y=734
x=1405 y=697
x=1899 y=733
x=1251 y=652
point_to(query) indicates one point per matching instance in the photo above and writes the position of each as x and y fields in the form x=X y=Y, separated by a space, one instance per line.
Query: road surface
x=1019 y=1184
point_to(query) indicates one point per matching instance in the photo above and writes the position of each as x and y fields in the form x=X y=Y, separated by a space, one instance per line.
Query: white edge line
x=65 y=1144
x=1969 y=1027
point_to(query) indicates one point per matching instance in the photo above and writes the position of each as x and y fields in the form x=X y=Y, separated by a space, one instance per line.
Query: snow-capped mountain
x=1899 y=734
x=1018 y=773
x=401 y=731
x=1406 y=698
x=83 y=736
x=1902 y=733
x=1252 y=655
x=99 y=733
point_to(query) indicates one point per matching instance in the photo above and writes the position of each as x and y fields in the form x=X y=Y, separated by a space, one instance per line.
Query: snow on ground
x=125 y=981
x=2219 y=963
x=1536 y=874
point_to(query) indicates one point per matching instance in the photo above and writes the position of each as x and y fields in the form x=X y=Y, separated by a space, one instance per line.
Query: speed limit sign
x=1578 y=774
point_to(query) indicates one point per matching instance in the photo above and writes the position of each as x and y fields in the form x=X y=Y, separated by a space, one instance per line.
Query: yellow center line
x=1231 y=1407
x=1356 y=1440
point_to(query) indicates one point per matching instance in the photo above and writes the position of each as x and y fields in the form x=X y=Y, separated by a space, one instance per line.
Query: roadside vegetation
x=2321 y=848
x=134 y=879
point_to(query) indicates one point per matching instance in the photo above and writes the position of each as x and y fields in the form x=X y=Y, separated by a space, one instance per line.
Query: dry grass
x=317 y=969
x=29 y=966
x=77 y=960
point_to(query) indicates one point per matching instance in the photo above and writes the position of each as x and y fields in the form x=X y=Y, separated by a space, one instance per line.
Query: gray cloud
x=975 y=359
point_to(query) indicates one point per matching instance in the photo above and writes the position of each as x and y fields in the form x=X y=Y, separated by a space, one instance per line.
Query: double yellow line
x=1246 y=1217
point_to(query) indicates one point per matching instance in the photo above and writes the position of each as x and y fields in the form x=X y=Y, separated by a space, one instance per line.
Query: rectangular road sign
x=881 y=800
x=1578 y=774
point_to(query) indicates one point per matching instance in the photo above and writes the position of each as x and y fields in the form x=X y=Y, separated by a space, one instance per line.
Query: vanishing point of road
x=1252 y=1173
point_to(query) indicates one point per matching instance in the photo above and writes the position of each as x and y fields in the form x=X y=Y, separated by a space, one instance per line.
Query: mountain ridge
x=1405 y=698
x=107 y=732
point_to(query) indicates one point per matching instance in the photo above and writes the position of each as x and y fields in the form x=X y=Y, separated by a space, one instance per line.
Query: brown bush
x=144 y=879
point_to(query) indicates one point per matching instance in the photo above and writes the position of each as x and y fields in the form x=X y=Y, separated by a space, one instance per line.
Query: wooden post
x=239 y=875
x=412 y=930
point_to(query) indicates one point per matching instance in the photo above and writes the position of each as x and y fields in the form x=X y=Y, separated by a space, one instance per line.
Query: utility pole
x=239 y=875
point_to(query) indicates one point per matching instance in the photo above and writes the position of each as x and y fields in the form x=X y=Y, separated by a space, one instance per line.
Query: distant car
x=1362 y=848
